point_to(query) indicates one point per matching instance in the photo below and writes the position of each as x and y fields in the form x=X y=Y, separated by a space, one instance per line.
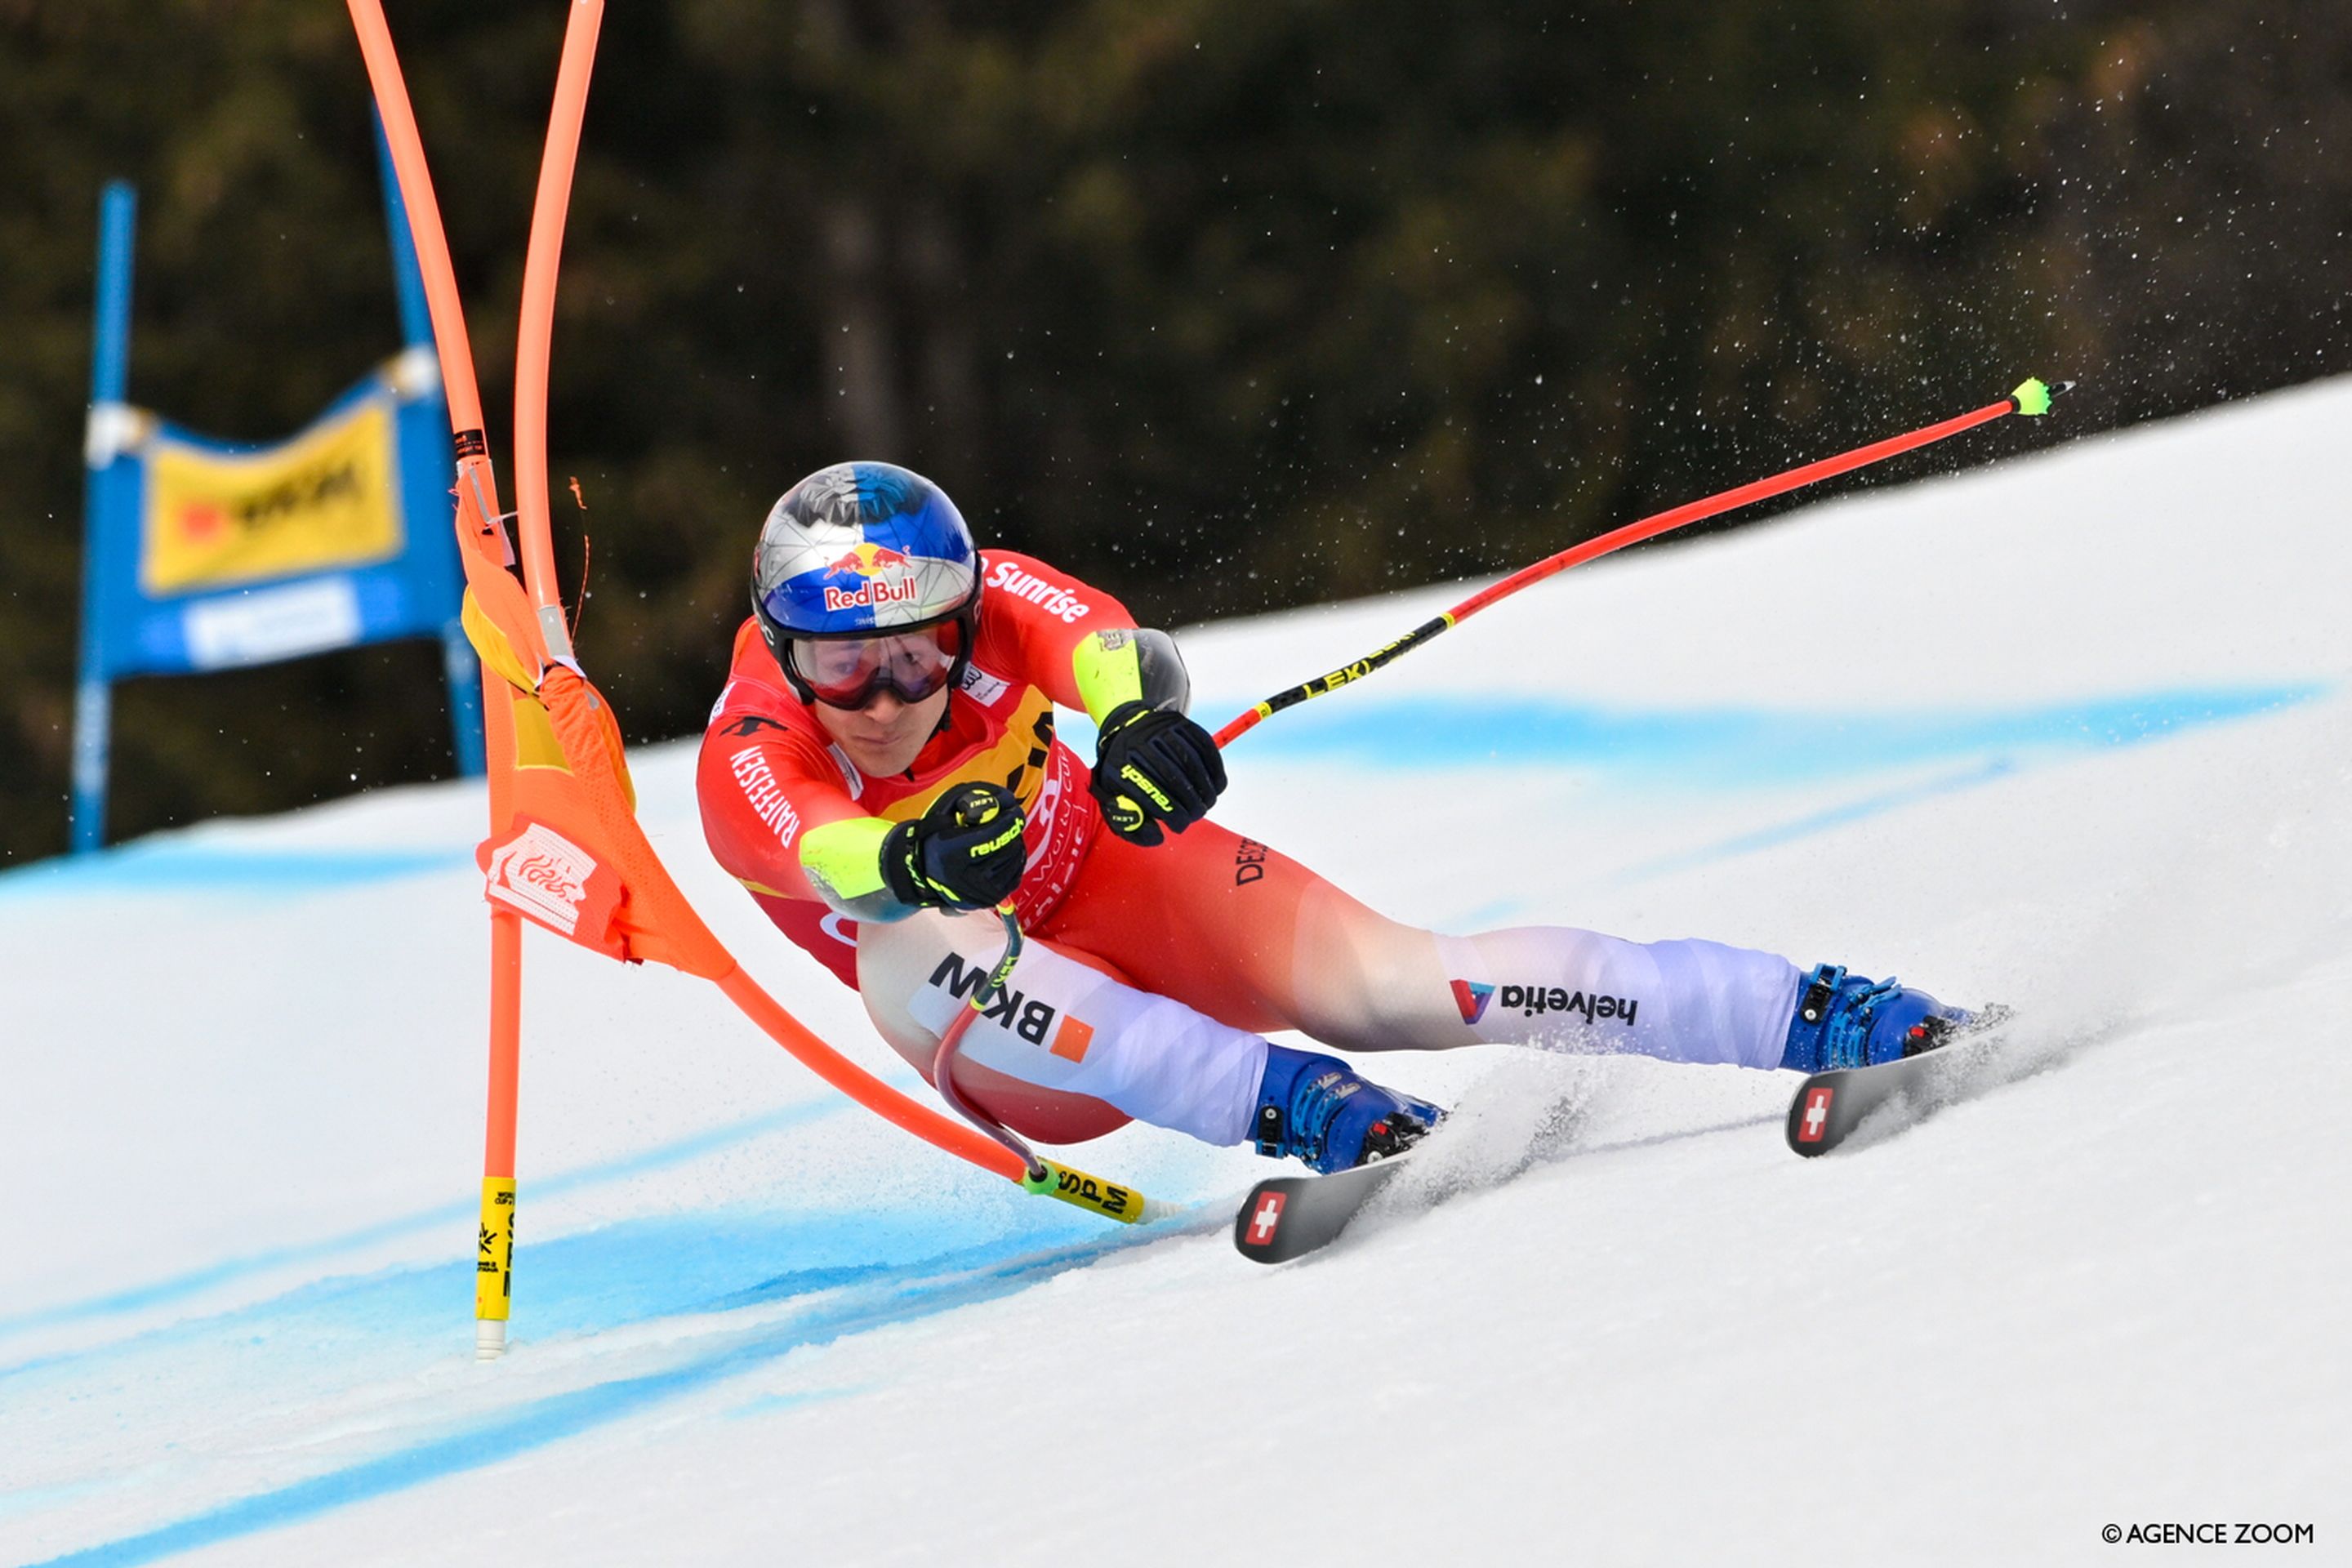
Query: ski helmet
x=862 y=549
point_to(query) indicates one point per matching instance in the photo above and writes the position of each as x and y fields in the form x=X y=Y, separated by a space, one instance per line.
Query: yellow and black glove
x=964 y=853
x=1154 y=768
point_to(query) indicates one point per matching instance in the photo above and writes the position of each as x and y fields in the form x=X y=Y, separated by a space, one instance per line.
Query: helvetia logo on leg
x=1472 y=998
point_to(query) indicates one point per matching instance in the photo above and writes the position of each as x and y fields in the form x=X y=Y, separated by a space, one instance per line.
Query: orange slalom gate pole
x=533 y=342
x=477 y=490
x=477 y=514
x=494 y=1276
x=494 y=1261
x=535 y=333
x=449 y=337
x=2032 y=397
x=481 y=532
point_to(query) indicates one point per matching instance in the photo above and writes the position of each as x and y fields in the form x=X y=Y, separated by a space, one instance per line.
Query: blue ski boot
x=1846 y=1021
x=1320 y=1109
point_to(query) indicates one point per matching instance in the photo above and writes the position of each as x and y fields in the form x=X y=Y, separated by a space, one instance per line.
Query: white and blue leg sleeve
x=1061 y=1025
x=1686 y=1001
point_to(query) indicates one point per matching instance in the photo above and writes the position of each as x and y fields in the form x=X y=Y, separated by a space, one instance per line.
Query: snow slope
x=2071 y=731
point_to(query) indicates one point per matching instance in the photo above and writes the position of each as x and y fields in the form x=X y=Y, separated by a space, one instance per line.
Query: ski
x=1290 y=1216
x=1829 y=1106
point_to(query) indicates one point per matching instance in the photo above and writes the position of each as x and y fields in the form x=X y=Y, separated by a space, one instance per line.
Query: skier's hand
x=964 y=853
x=1153 y=767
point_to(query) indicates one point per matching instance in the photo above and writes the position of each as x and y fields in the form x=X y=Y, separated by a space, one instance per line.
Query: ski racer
x=883 y=763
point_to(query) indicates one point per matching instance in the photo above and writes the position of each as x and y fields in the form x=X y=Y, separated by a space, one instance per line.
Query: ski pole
x=2031 y=398
x=951 y=1039
x=1047 y=1178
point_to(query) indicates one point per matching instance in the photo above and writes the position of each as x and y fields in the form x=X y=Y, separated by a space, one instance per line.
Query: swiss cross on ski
x=1929 y=1065
x=1817 y=1113
x=1266 y=1217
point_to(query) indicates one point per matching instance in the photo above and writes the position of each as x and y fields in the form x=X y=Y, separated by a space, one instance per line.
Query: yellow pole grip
x=1108 y=1199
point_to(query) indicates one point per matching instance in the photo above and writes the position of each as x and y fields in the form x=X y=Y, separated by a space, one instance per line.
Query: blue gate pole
x=416 y=316
x=465 y=673
x=109 y=382
x=457 y=660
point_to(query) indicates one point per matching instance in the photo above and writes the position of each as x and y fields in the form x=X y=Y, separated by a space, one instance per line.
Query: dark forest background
x=1227 y=304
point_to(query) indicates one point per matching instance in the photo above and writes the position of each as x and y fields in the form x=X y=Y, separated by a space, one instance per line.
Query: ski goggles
x=850 y=672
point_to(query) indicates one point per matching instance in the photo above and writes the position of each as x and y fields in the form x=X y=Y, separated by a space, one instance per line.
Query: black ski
x=1289 y=1216
x=1831 y=1105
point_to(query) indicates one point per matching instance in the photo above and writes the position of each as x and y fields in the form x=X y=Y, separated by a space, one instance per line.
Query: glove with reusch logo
x=1154 y=769
x=964 y=853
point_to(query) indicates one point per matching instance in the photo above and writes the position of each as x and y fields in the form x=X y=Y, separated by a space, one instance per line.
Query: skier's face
x=883 y=736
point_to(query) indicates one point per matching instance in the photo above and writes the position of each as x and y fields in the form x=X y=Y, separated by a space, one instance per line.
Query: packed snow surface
x=2071 y=731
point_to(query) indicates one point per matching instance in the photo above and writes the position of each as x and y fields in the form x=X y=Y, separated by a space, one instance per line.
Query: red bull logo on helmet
x=869 y=562
x=865 y=560
x=872 y=596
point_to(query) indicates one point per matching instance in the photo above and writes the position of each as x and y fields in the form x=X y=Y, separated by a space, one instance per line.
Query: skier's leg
x=1256 y=939
x=1068 y=1052
x=1686 y=1000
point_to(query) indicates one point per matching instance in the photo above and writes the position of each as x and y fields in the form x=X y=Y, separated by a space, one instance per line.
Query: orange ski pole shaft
x=1045 y=1178
x=2032 y=397
x=964 y=1143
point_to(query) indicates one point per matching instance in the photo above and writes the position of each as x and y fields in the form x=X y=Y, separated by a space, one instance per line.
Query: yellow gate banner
x=327 y=499
x=202 y=554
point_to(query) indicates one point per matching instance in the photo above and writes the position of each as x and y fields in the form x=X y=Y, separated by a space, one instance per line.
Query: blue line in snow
x=1820 y=821
x=179 y=1286
x=171 y=867
x=1736 y=747
x=549 y=1420
x=777 y=1403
